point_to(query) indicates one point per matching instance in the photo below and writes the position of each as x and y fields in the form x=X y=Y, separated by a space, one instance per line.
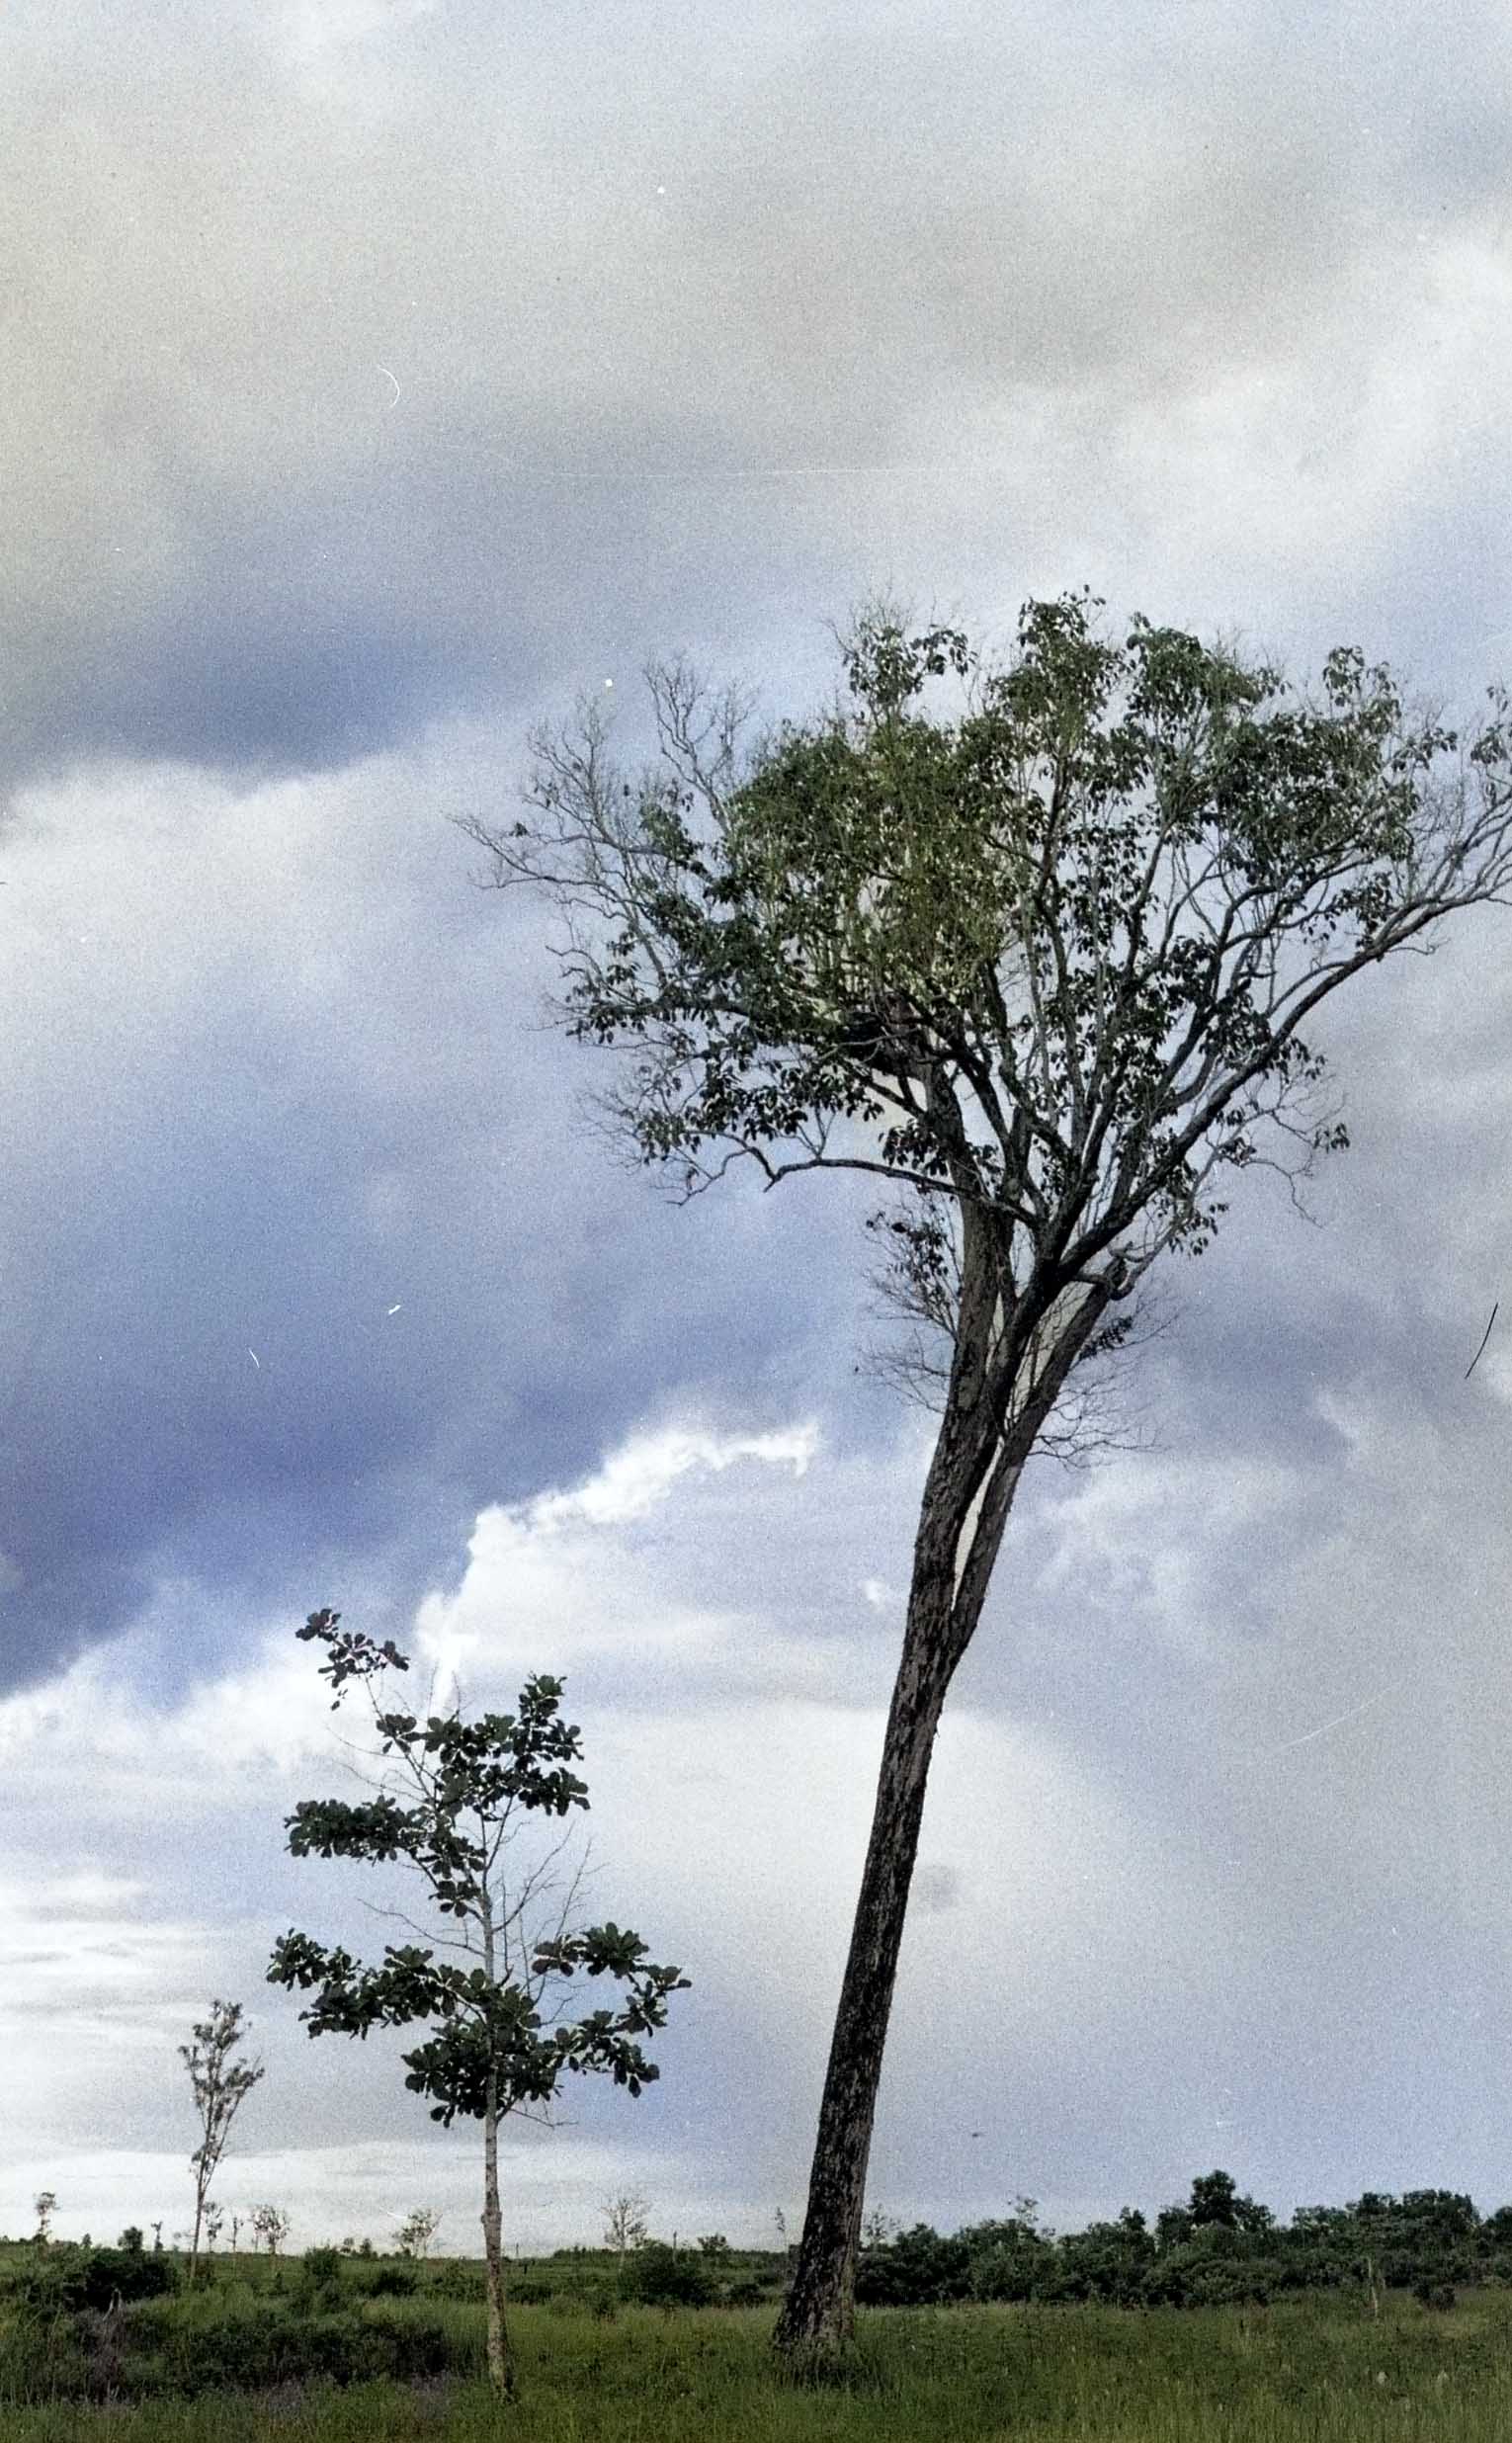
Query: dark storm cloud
x=307 y=1250
x=377 y=375
x=367 y=362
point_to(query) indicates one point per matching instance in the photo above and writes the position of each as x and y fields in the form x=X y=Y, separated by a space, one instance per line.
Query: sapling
x=451 y=1801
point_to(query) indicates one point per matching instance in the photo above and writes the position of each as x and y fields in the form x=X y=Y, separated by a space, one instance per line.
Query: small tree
x=418 y=2230
x=1047 y=959
x=271 y=2225
x=220 y=2086
x=455 y=1798
x=624 y=2221
x=45 y=2208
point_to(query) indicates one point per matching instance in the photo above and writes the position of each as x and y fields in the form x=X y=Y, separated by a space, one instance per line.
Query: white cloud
x=731 y=1756
x=565 y=1574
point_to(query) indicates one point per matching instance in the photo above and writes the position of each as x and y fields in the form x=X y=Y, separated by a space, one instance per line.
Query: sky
x=381 y=381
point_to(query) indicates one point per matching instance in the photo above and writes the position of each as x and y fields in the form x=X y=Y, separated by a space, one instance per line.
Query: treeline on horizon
x=1219 y=2249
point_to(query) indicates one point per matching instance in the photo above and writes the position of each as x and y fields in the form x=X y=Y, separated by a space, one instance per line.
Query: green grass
x=1310 y=2372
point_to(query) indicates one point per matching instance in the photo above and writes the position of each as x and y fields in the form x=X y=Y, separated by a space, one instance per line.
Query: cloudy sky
x=377 y=381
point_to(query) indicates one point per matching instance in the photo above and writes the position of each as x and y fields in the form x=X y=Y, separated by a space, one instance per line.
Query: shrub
x=68 y=2279
x=662 y=2277
x=1009 y=2260
x=246 y=2352
x=458 y=2278
x=392 y=2282
x=41 y=2358
x=319 y=2284
x=1202 y=2276
x=917 y=2269
x=1431 y=2294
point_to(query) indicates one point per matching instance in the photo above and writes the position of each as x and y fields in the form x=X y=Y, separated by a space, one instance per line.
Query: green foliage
x=918 y=2268
x=456 y=2277
x=489 y=2043
x=66 y=2278
x=390 y=2281
x=268 y=2346
x=1220 y=2248
x=1112 y=2261
x=418 y=2230
x=1054 y=946
x=220 y=2085
x=658 y=2276
x=320 y=2278
x=1438 y=2295
x=1312 y=2371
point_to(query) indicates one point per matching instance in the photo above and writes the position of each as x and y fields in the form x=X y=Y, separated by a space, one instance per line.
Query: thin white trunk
x=501 y=2365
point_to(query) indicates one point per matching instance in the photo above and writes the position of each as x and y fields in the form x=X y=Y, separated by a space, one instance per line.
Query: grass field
x=1325 y=2371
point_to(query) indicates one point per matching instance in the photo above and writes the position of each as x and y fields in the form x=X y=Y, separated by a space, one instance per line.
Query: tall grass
x=1310 y=2372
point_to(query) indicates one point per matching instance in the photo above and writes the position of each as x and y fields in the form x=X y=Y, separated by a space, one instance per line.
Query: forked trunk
x=973 y=1480
x=818 y=2317
x=501 y=2363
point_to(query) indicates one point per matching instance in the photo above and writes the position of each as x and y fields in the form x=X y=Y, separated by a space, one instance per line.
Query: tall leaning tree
x=1040 y=946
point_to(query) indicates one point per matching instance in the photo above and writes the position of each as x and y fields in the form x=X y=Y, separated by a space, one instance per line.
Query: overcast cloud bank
x=379 y=380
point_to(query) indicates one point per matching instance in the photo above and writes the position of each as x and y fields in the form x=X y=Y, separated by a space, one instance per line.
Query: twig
x=1484 y=1337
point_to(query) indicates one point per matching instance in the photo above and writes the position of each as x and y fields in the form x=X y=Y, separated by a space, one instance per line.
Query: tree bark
x=818 y=2317
x=968 y=1492
x=501 y=2362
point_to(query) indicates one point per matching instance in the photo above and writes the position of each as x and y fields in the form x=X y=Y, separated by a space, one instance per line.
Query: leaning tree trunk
x=984 y=1441
x=819 y=2319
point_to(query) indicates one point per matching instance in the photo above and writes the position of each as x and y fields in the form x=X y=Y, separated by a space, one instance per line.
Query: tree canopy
x=1040 y=946
x=454 y=1794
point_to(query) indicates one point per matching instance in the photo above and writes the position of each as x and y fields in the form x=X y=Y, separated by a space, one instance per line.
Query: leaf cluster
x=1051 y=954
x=498 y=2037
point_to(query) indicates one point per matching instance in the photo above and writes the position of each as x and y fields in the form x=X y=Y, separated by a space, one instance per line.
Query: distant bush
x=319 y=2285
x=248 y=2352
x=662 y=2277
x=916 y=2269
x=392 y=2282
x=67 y=2278
x=1192 y=2276
x=1430 y=2294
x=1010 y=2259
x=456 y=2277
